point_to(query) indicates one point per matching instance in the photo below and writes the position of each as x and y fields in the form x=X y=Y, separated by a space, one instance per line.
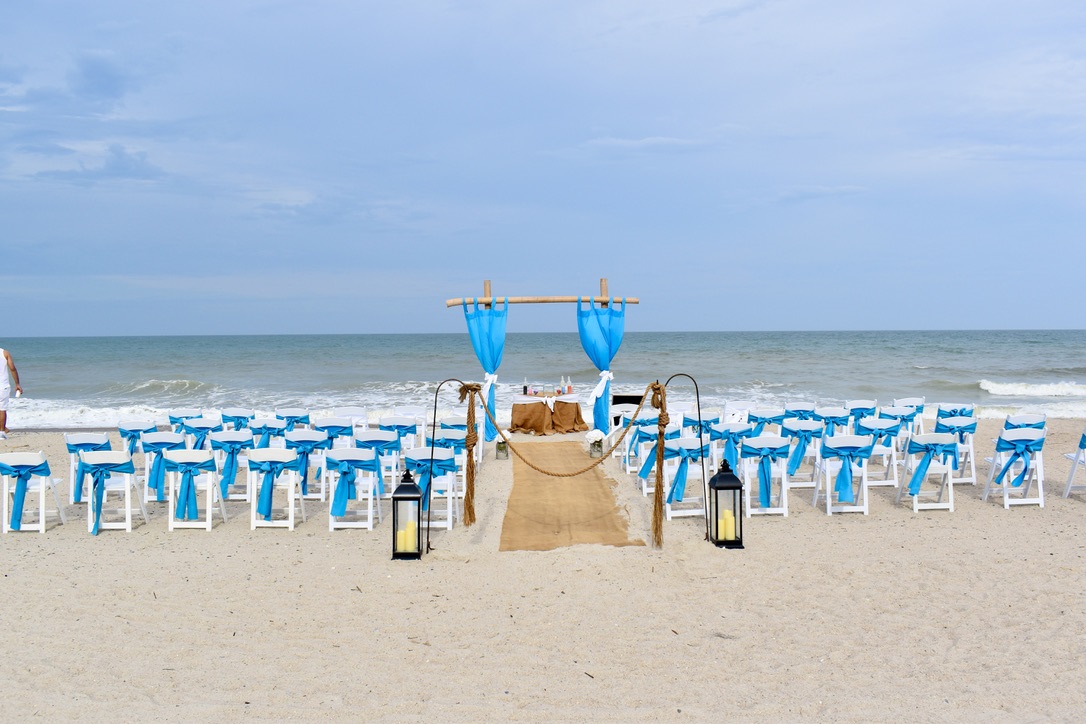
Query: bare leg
x=3 y=420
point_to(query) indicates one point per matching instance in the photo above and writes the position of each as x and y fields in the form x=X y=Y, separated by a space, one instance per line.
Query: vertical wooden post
x=603 y=292
x=486 y=291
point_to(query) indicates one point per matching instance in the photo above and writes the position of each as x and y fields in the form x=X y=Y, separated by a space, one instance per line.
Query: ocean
x=89 y=382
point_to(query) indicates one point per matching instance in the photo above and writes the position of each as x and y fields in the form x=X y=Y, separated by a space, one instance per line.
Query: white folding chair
x=917 y=403
x=310 y=446
x=766 y=421
x=33 y=470
x=122 y=483
x=386 y=443
x=805 y=437
x=340 y=430
x=183 y=413
x=203 y=481
x=358 y=416
x=939 y=450
x=296 y=418
x=196 y=430
x=155 y=445
x=1018 y=450
x=833 y=419
x=838 y=487
x=268 y=431
x=228 y=447
x=885 y=432
x=279 y=477
x=367 y=500
x=736 y=410
x=236 y=418
x=130 y=432
x=78 y=442
x=1078 y=460
x=407 y=427
x=964 y=429
x=691 y=501
x=442 y=485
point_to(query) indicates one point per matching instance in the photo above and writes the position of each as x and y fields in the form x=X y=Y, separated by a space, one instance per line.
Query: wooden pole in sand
x=604 y=299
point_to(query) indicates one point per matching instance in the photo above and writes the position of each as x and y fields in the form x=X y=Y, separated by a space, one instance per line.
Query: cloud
x=119 y=163
x=99 y=77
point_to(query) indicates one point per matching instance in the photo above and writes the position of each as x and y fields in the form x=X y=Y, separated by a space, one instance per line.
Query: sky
x=327 y=166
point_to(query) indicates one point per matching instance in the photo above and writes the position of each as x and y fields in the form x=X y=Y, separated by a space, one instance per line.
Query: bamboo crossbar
x=537 y=300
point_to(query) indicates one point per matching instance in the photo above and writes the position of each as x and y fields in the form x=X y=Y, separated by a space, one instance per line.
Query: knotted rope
x=659 y=401
x=470 y=390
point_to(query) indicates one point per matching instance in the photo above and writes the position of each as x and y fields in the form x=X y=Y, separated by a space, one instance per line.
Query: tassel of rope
x=470 y=390
x=659 y=401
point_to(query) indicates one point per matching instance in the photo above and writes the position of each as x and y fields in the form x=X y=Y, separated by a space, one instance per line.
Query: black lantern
x=726 y=509
x=407 y=519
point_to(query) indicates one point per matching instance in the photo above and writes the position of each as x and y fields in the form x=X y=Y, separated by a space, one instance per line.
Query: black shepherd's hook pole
x=704 y=477
x=432 y=436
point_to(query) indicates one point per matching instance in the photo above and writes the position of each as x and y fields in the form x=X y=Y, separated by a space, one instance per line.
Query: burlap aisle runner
x=545 y=513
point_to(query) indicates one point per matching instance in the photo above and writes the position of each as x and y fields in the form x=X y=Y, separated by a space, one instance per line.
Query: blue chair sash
x=731 y=440
x=967 y=411
x=131 y=438
x=293 y=420
x=80 y=468
x=240 y=422
x=22 y=475
x=156 y=476
x=187 y=508
x=760 y=421
x=379 y=447
x=401 y=430
x=1039 y=425
x=766 y=456
x=1020 y=450
x=266 y=432
x=832 y=422
x=176 y=420
x=803 y=440
x=883 y=435
x=856 y=413
x=305 y=448
x=948 y=453
x=702 y=426
x=425 y=472
x=199 y=433
x=647 y=433
x=685 y=455
x=457 y=445
x=345 y=486
x=454 y=426
x=1082 y=442
x=640 y=421
x=798 y=413
x=231 y=448
x=904 y=417
x=848 y=455
x=99 y=472
x=336 y=431
x=271 y=469
x=950 y=424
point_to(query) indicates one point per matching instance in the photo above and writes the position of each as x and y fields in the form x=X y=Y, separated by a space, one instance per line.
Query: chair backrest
x=736 y=410
x=323 y=422
x=86 y=438
x=188 y=456
x=915 y=402
x=104 y=457
x=423 y=453
x=186 y=412
x=851 y=405
x=409 y=411
x=232 y=436
x=272 y=455
x=137 y=425
x=1028 y=419
x=935 y=438
x=215 y=415
x=398 y=420
x=955 y=409
x=800 y=425
x=237 y=412
x=282 y=412
x=22 y=458
x=269 y=422
x=354 y=454
x=448 y=434
x=306 y=436
x=159 y=437
x=766 y=441
x=842 y=441
x=204 y=422
x=379 y=435
x=792 y=408
x=1022 y=433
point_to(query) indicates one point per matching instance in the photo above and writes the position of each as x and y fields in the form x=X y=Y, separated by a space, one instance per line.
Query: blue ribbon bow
x=454 y=426
x=1038 y=425
x=647 y=433
x=702 y=426
x=336 y=431
x=907 y=417
x=231 y=448
x=292 y=420
x=1082 y=442
x=271 y=469
x=424 y=471
x=856 y=413
x=266 y=432
x=685 y=455
x=345 y=486
x=883 y=435
x=131 y=438
x=240 y=422
x=760 y=421
x=22 y=475
x=401 y=430
x=305 y=448
x=81 y=468
x=798 y=413
x=960 y=426
x=1020 y=450
x=199 y=432
x=832 y=422
x=99 y=472
x=187 y=508
x=457 y=445
x=156 y=476
x=947 y=451
x=954 y=412
x=176 y=420
x=766 y=456
x=379 y=447
x=731 y=440
x=848 y=455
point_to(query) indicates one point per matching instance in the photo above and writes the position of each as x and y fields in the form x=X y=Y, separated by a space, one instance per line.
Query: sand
x=937 y=615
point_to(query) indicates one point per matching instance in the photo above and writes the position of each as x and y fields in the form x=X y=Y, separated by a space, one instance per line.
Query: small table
x=546 y=415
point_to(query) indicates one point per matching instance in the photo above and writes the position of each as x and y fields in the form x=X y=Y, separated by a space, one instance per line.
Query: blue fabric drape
x=848 y=455
x=305 y=448
x=601 y=330
x=187 y=508
x=948 y=453
x=857 y=414
x=803 y=438
x=345 y=486
x=22 y=475
x=486 y=328
x=766 y=455
x=230 y=449
x=81 y=468
x=99 y=472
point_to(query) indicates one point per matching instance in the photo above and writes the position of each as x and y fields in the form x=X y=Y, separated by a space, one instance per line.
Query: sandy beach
x=896 y=615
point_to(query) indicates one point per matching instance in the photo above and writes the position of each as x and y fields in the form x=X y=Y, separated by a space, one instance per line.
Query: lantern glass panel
x=406 y=516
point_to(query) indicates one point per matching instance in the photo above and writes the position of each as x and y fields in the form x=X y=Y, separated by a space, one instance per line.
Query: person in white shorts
x=5 y=391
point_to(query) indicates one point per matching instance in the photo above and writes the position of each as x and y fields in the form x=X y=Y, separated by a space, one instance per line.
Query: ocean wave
x=1025 y=389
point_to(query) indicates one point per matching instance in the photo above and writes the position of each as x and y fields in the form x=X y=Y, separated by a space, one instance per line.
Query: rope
x=659 y=401
x=470 y=390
